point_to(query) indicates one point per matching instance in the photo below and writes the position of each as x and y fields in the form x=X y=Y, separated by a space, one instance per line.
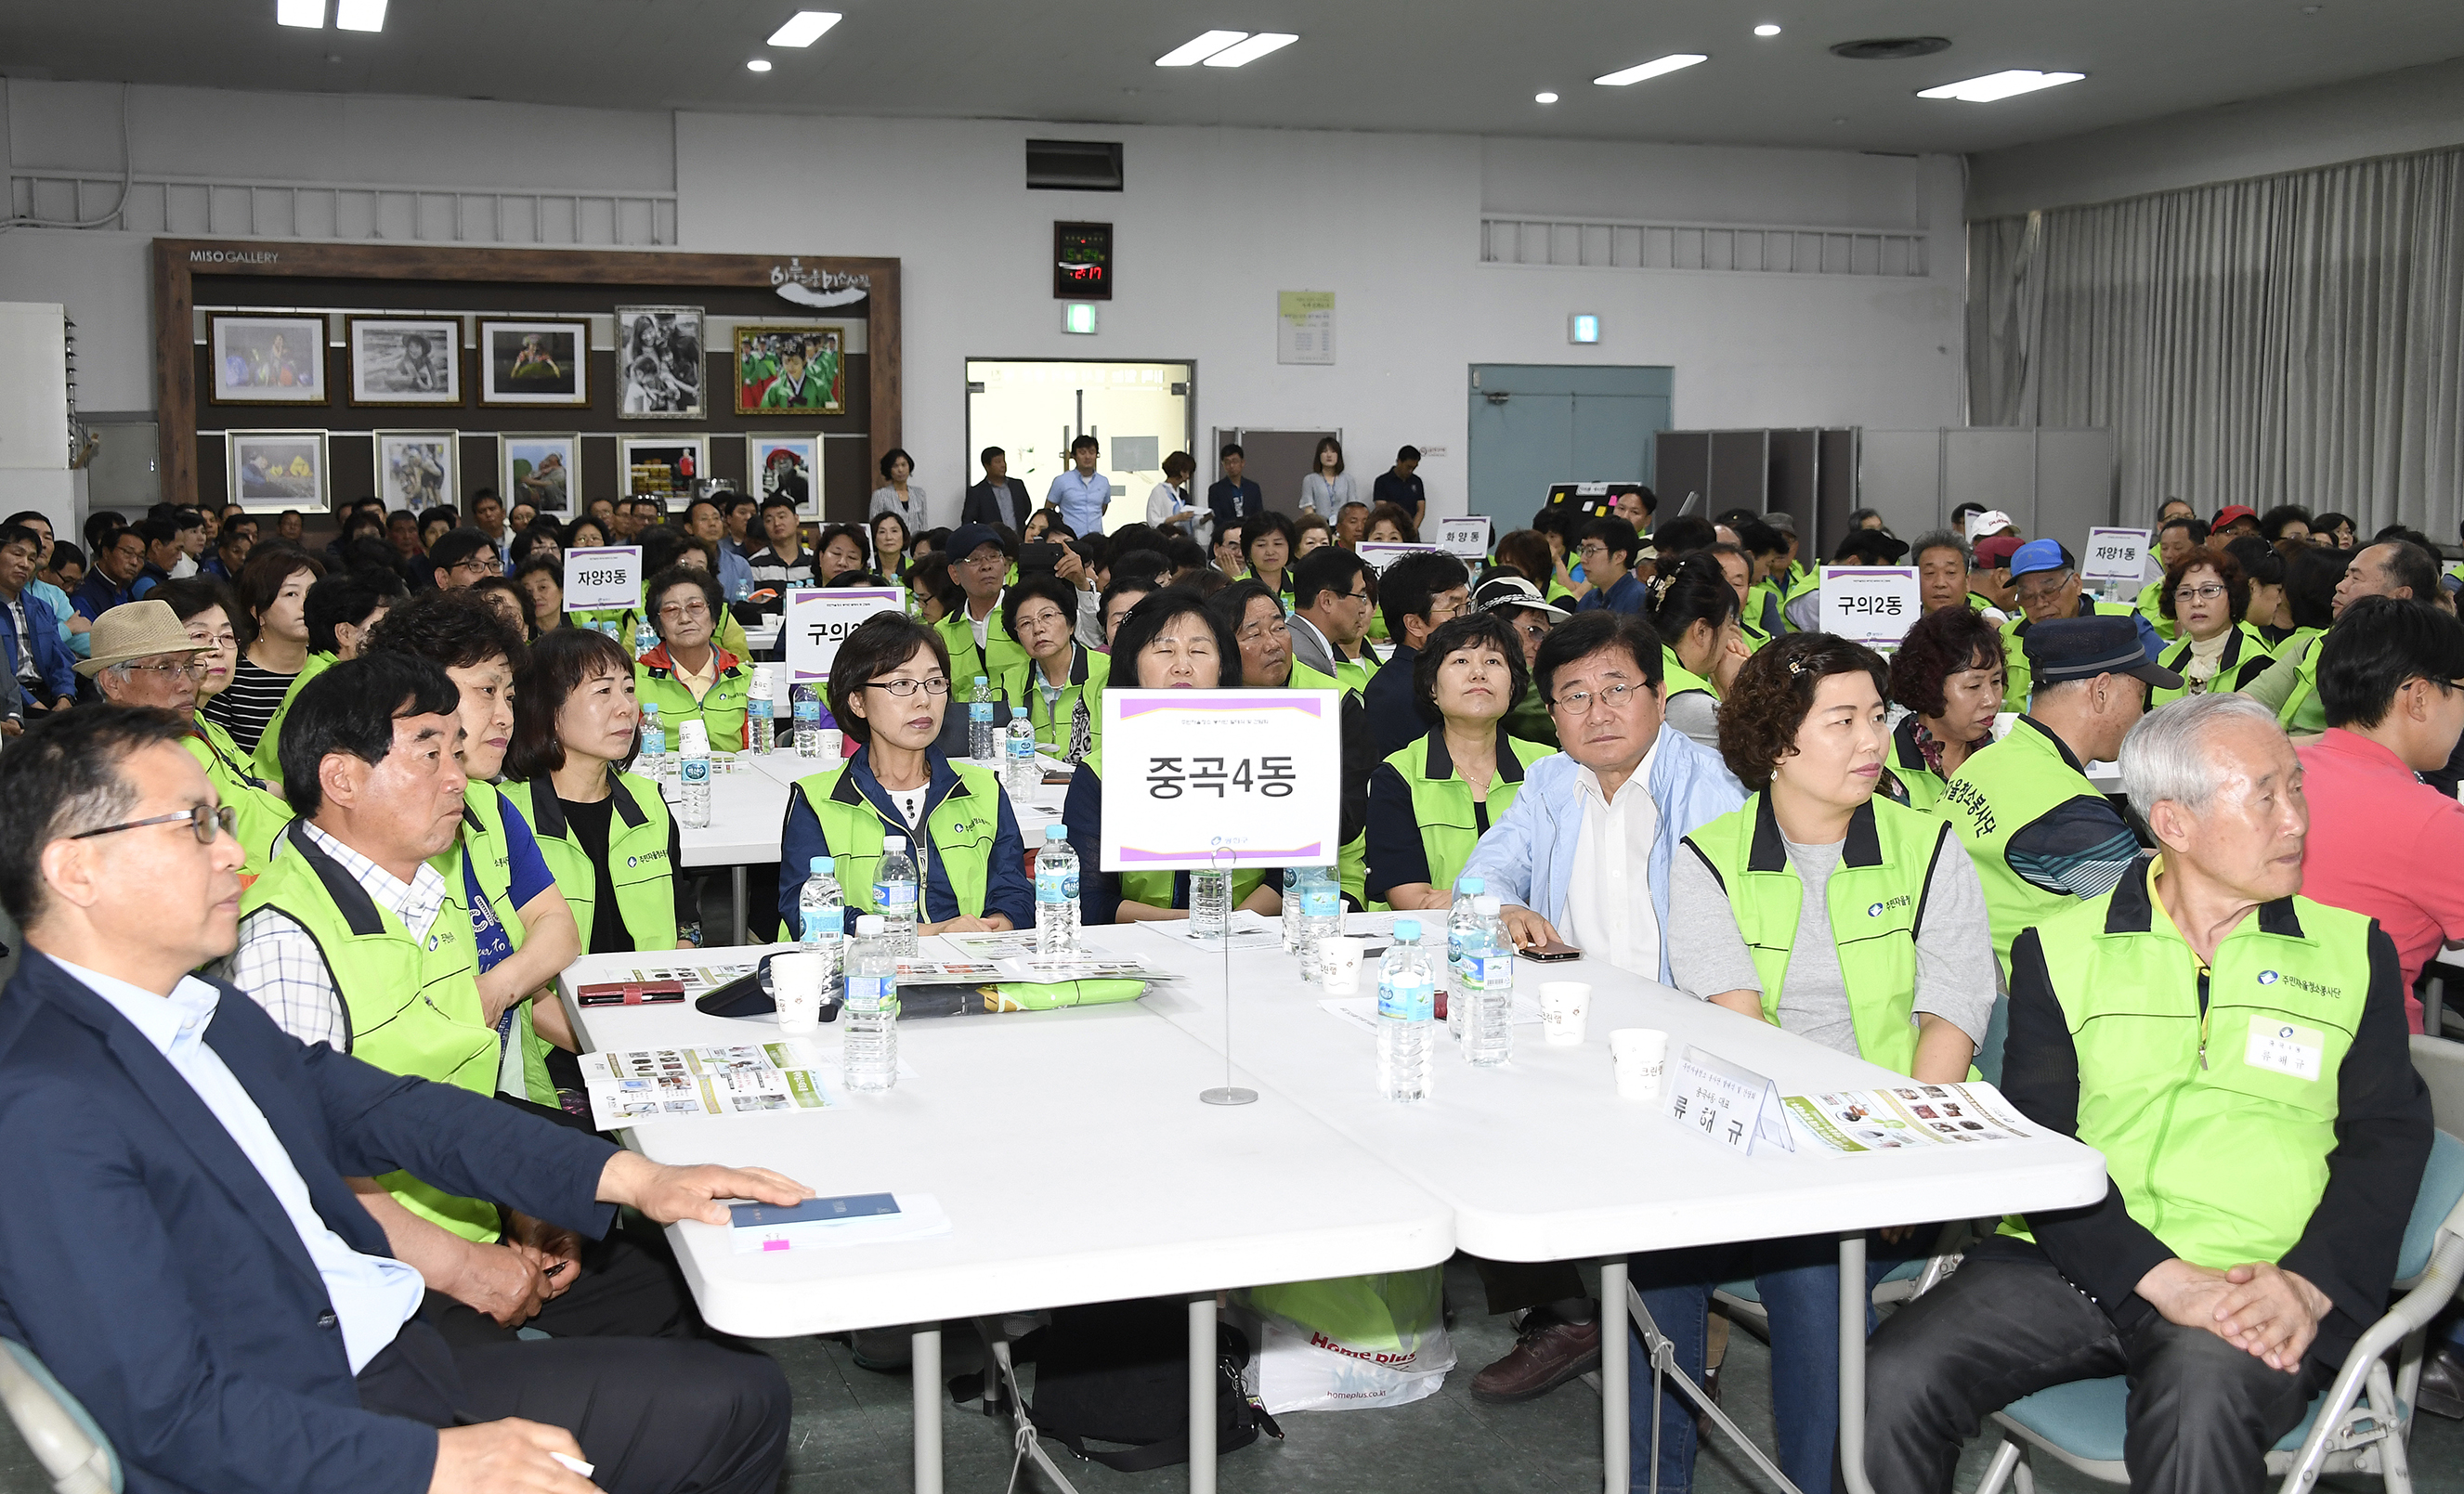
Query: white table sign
x=1464 y=539
x=600 y=579
x=1734 y=1106
x=2115 y=555
x=1874 y=604
x=1189 y=774
x=1381 y=554
x=817 y=622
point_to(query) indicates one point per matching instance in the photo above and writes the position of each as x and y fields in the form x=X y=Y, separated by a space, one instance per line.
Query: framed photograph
x=534 y=362
x=417 y=470
x=538 y=470
x=661 y=467
x=266 y=360
x=791 y=465
x=271 y=471
x=658 y=362
x=790 y=370
x=404 y=360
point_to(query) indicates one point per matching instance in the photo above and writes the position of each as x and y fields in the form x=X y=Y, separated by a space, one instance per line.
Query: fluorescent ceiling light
x=1766 y=28
x=804 y=29
x=1544 y=98
x=310 y=14
x=757 y=65
x=1999 y=85
x=1652 y=69
x=1250 y=51
x=1190 y=53
x=359 y=16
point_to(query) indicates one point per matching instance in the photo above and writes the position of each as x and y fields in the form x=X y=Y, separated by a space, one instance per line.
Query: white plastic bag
x=1351 y=1342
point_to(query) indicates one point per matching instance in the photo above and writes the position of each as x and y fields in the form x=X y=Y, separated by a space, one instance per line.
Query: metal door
x=1534 y=424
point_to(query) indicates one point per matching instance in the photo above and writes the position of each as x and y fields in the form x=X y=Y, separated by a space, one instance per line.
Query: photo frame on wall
x=785 y=370
x=538 y=470
x=418 y=470
x=266 y=360
x=270 y=471
x=659 y=366
x=533 y=363
x=404 y=361
x=661 y=466
x=789 y=465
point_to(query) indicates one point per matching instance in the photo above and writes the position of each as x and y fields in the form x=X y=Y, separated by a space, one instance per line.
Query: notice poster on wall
x=1305 y=326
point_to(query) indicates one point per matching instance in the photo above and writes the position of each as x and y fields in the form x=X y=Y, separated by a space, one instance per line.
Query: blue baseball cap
x=2039 y=555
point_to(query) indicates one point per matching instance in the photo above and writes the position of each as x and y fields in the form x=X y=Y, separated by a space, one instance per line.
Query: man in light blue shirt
x=1081 y=491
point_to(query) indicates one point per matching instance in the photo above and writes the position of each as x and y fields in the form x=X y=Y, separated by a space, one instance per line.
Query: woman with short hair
x=689 y=676
x=897 y=495
x=2208 y=599
x=842 y=550
x=204 y=609
x=1949 y=675
x=1061 y=687
x=890 y=543
x=272 y=593
x=1170 y=506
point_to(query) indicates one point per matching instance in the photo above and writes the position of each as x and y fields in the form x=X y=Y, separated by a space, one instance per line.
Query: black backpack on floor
x=1118 y=1372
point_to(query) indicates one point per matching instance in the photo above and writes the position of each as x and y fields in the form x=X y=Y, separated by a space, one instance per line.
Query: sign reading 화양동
x=1464 y=539
x=1215 y=780
x=817 y=622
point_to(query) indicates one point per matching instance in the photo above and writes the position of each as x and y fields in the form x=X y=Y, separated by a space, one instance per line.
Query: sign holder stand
x=1228 y=1094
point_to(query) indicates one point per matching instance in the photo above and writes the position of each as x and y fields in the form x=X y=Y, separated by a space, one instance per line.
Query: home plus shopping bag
x=1350 y=1341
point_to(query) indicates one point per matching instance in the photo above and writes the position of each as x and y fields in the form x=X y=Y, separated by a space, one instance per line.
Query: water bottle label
x=894 y=895
x=871 y=994
x=1056 y=887
x=829 y=924
x=1321 y=900
x=1409 y=998
x=695 y=770
x=1490 y=967
x=980 y=711
x=808 y=710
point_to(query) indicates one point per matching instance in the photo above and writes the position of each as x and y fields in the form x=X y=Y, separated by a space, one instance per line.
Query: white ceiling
x=1419 y=65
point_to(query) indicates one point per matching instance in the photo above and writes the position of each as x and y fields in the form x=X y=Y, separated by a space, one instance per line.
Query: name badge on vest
x=2285 y=1048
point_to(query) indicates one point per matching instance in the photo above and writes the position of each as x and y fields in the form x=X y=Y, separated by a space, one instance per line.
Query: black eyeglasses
x=205 y=821
x=906 y=689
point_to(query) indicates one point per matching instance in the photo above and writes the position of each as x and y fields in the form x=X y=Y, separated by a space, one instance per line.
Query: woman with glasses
x=689 y=676
x=273 y=592
x=1061 y=687
x=1700 y=621
x=1430 y=803
x=889 y=688
x=259 y=811
x=2207 y=597
x=1261 y=634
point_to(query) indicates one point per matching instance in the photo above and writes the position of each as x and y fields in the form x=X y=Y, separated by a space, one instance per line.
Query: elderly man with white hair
x=2238 y=1054
x=144 y=656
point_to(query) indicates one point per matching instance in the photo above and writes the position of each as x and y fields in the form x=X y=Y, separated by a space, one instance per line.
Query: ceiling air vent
x=1073 y=165
x=1891 y=49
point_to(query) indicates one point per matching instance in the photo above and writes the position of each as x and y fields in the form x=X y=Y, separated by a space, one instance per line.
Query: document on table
x=1250 y=929
x=635 y=1084
x=1361 y=1011
x=1903 y=1116
x=826 y=1224
x=1088 y=965
x=698 y=979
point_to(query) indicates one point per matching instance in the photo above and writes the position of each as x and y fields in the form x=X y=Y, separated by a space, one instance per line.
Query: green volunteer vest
x=1000 y=654
x=1909 y=765
x=1441 y=801
x=2151 y=607
x=1997 y=792
x=637 y=857
x=2217 y=1127
x=483 y=841
x=410 y=1007
x=2301 y=711
x=1158 y=889
x=720 y=711
x=1678 y=680
x=269 y=747
x=2246 y=654
x=1352 y=858
x=2019 y=680
x=1089 y=673
x=1529 y=720
x=957 y=830
x=729 y=635
x=1761 y=603
x=261 y=813
x=1877 y=900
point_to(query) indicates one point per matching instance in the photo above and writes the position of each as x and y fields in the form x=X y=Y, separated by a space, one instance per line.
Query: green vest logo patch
x=1877 y=910
x=2313 y=988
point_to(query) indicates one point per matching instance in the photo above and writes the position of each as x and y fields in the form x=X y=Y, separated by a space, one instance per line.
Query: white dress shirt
x=280 y=966
x=1608 y=903
x=373 y=1296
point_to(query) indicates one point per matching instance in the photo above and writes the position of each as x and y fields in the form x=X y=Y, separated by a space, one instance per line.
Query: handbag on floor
x=1118 y=1372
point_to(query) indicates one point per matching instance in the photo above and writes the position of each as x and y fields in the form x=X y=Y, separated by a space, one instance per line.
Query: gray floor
x=852 y=1428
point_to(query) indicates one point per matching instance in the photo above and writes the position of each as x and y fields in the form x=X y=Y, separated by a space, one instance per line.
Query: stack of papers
x=632 y=1085
x=826 y=1224
x=1249 y=930
x=1903 y=1116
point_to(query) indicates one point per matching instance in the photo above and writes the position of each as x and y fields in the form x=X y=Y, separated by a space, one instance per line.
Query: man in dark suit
x=1236 y=496
x=184 y=1252
x=999 y=498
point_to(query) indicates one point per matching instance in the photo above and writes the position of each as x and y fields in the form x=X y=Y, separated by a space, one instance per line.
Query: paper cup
x=796 y=985
x=1641 y=1055
x=1563 y=1006
x=1340 y=960
x=833 y=741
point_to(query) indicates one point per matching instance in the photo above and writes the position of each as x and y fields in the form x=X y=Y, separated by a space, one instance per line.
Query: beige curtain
x=2295 y=339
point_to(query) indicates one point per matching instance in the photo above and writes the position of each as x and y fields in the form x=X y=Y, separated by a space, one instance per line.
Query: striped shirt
x=281 y=967
x=248 y=703
x=773 y=574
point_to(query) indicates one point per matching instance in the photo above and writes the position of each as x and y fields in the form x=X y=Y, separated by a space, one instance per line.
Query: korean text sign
x=2115 y=555
x=817 y=622
x=1215 y=780
x=596 y=579
x=1874 y=604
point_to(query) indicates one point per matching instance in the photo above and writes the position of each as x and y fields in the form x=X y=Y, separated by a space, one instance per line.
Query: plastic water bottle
x=761 y=724
x=1463 y=937
x=893 y=893
x=645 y=637
x=1488 y=1025
x=743 y=590
x=1291 y=910
x=871 y=1051
x=1321 y=917
x=654 y=734
x=1407 y=1015
x=821 y=919
x=693 y=775
x=1210 y=904
x=980 y=724
x=1056 y=895
x=1022 y=776
x=806 y=703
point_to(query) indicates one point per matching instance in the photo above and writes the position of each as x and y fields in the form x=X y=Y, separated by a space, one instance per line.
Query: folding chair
x=71 y=1449
x=2361 y=1425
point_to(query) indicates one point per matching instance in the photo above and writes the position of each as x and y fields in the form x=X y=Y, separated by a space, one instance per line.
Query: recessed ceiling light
x=1250 y=51
x=1766 y=28
x=757 y=65
x=1190 y=53
x=310 y=14
x=1652 y=69
x=1999 y=85
x=1544 y=98
x=803 y=28
x=359 y=16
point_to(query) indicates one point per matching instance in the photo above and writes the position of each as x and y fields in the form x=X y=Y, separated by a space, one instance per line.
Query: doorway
x=1275 y=460
x=1536 y=424
x=1033 y=408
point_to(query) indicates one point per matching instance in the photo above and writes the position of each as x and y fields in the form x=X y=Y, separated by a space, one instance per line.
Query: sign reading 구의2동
x=600 y=579
x=1874 y=604
x=1200 y=779
x=817 y=622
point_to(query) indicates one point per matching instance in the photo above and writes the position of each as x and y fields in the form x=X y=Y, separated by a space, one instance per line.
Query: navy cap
x=968 y=538
x=2039 y=555
x=2083 y=648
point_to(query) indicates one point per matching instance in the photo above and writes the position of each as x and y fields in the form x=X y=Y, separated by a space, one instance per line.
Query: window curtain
x=2295 y=339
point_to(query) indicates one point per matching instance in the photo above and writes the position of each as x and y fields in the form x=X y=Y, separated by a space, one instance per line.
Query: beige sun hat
x=136 y=630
